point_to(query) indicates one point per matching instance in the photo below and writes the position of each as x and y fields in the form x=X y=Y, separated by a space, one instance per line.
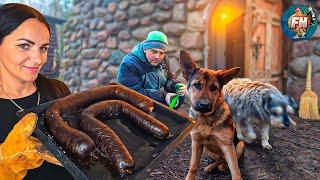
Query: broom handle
x=308 y=80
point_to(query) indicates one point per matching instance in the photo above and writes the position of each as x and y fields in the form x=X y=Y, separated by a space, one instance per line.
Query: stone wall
x=98 y=34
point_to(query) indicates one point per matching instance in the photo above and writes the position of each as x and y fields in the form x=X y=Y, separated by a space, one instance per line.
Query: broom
x=309 y=100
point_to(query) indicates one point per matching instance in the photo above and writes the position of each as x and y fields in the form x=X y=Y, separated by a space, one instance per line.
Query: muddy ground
x=295 y=155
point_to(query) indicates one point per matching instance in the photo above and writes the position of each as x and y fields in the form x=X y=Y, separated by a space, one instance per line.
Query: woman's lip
x=32 y=69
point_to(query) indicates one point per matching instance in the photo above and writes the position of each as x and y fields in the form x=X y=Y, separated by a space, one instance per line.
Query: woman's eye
x=24 y=46
x=197 y=85
x=43 y=49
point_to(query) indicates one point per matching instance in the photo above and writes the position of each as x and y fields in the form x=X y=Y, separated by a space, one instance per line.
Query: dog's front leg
x=248 y=131
x=230 y=155
x=238 y=129
x=197 y=150
x=265 y=136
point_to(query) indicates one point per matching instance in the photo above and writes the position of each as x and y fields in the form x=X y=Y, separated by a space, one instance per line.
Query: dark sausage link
x=109 y=143
x=67 y=136
x=117 y=92
x=74 y=141
x=107 y=140
x=117 y=109
x=134 y=98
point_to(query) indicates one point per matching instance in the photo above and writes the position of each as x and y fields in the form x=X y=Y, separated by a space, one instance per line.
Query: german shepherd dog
x=215 y=132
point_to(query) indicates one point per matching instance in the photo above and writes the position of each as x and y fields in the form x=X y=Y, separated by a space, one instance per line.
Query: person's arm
x=128 y=76
x=171 y=82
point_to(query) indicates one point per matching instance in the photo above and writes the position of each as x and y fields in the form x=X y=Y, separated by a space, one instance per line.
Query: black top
x=49 y=90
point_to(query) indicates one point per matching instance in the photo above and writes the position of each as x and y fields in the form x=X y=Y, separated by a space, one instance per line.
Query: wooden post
x=248 y=39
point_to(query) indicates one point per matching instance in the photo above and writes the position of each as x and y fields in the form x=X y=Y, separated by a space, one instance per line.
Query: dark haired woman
x=24 y=42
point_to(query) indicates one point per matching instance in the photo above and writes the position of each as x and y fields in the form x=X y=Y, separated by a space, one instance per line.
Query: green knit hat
x=156 y=39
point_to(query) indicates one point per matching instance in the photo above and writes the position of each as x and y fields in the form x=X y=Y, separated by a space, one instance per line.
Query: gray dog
x=255 y=103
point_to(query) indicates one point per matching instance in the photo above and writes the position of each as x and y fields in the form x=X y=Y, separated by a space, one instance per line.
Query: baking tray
x=146 y=150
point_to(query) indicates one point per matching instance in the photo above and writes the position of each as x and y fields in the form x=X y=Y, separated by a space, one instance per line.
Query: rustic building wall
x=100 y=33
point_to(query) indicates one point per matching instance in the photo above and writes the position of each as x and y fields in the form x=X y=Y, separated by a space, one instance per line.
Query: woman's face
x=24 y=51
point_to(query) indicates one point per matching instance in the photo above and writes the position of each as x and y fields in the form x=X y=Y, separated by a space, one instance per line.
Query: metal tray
x=146 y=150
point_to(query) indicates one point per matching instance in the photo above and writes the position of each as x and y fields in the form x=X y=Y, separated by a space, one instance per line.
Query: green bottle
x=174 y=101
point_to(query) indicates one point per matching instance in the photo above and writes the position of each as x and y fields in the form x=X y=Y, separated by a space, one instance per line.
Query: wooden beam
x=268 y=45
x=248 y=39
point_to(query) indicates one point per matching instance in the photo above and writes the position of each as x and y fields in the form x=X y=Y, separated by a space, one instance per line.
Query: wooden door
x=265 y=39
x=235 y=45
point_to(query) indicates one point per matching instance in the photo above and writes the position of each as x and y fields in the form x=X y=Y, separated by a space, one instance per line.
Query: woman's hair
x=12 y=15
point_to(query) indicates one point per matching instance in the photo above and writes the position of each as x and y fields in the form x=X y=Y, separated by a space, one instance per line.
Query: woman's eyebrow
x=46 y=44
x=31 y=42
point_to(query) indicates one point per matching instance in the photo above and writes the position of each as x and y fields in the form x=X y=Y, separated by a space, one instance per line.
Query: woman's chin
x=30 y=77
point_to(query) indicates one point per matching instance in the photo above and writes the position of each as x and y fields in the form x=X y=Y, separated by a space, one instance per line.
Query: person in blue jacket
x=146 y=71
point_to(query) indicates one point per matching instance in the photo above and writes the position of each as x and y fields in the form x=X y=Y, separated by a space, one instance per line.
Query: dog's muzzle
x=203 y=106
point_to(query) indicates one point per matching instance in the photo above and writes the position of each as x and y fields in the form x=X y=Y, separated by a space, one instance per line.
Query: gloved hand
x=181 y=89
x=169 y=97
x=21 y=152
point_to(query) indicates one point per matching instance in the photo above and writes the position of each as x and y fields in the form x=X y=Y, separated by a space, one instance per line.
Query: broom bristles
x=309 y=106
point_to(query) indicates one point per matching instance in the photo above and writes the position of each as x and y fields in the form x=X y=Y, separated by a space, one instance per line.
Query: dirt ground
x=295 y=155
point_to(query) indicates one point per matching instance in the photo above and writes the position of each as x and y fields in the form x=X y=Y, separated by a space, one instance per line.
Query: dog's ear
x=226 y=75
x=187 y=64
x=266 y=100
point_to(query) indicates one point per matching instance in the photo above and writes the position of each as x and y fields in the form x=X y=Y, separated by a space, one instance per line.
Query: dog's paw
x=223 y=167
x=211 y=167
x=190 y=177
x=266 y=146
x=208 y=169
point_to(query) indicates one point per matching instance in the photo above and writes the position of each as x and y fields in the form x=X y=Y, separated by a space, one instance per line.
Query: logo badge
x=299 y=22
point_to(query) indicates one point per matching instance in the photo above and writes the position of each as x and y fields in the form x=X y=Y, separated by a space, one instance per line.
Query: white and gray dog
x=256 y=103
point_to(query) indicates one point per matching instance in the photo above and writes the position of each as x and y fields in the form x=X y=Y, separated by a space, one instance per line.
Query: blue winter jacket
x=138 y=74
